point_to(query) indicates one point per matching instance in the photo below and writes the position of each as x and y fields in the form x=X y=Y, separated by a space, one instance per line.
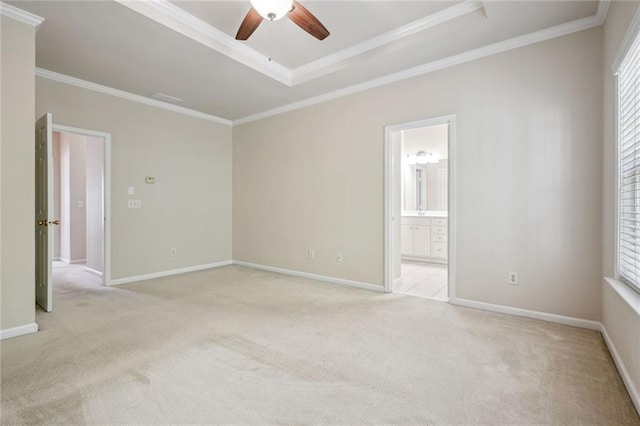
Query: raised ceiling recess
x=188 y=50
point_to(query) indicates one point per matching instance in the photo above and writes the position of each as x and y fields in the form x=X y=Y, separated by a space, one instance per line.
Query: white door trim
x=389 y=196
x=106 y=277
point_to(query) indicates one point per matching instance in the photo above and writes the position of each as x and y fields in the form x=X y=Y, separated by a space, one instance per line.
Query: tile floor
x=423 y=279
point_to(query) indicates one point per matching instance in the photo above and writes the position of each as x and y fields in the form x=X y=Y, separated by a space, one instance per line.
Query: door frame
x=106 y=173
x=390 y=194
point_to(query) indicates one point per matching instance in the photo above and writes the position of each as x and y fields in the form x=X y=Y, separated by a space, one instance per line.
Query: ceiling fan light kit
x=276 y=9
x=272 y=9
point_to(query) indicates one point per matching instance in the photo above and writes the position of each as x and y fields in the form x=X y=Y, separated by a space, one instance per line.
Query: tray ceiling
x=186 y=49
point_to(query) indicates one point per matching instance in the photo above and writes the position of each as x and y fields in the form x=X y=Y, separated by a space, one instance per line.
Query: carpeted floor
x=239 y=346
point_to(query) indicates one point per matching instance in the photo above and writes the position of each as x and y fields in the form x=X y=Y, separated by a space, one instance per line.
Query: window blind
x=629 y=166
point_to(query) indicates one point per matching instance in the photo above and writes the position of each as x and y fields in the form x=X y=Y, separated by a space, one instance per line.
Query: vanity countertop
x=426 y=213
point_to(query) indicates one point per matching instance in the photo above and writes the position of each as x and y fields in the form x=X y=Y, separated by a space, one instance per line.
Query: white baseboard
x=93 y=272
x=341 y=281
x=126 y=280
x=18 y=331
x=624 y=373
x=560 y=319
x=76 y=261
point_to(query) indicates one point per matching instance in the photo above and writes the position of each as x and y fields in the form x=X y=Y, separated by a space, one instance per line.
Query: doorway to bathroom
x=418 y=208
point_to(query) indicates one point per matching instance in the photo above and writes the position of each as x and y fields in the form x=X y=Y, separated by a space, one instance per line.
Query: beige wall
x=17 y=76
x=620 y=320
x=95 y=215
x=189 y=206
x=313 y=178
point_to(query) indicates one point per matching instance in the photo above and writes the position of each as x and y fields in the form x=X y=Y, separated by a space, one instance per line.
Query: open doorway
x=419 y=208
x=78 y=200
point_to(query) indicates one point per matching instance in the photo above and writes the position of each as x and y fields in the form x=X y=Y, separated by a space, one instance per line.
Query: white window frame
x=628 y=42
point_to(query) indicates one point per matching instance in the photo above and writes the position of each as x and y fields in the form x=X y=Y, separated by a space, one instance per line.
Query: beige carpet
x=240 y=346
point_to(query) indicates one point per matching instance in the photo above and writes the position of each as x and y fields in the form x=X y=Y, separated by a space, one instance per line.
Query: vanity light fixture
x=422 y=157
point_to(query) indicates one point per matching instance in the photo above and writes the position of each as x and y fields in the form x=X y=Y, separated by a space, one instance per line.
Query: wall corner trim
x=20 y=15
x=18 y=331
x=66 y=79
x=333 y=280
x=622 y=369
x=127 y=280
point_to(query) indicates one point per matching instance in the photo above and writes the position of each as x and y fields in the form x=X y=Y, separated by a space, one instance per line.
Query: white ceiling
x=186 y=48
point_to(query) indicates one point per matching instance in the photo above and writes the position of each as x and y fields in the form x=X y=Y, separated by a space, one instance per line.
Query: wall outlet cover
x=134 y=204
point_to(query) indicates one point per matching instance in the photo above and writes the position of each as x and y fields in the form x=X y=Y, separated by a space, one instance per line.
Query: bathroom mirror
x=424 y=186
x=424 y=169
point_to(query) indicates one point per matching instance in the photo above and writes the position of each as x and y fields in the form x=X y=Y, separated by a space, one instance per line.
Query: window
x=628 y=121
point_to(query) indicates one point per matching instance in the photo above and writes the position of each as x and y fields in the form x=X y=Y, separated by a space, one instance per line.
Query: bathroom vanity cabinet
x=424 y=238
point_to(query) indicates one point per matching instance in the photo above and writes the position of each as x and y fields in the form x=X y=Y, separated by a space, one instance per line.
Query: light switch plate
x=131 y=190
x=80 y=204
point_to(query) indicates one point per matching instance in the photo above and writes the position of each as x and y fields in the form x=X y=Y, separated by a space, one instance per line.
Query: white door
x=443 y=189
x=44 y=207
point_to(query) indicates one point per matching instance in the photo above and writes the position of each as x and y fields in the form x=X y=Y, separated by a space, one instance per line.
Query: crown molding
x=629 y=37
x=165 y=13
x=21 y=15
x=499 y=47
x=62 y=78
x=603 y=10
x=471 y=55
x=177 y=19
x=327 y=64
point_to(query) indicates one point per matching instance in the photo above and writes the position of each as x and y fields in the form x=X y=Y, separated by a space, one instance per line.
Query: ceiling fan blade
x=249 y=24
x=305 y=20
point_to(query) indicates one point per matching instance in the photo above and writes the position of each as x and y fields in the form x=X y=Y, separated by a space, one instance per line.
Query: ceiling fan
x=277 y=9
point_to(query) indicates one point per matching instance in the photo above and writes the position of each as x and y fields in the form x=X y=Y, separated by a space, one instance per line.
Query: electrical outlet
x=134 y=204
x=174 y=251
x=311 y=254
x=512 y=278
x=339 y=257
